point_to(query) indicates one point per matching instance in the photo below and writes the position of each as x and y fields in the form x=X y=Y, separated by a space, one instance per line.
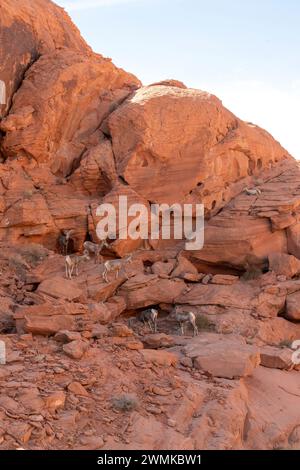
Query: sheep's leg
x=195 y=328
x=76 y=269
x=182 y=329
x=155 y=326
x=150 y=325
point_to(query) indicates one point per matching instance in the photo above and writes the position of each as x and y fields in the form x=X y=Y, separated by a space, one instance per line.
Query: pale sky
x=245 y=52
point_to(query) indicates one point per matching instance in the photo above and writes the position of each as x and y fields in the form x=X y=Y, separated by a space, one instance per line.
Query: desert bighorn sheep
x=252 y=192
x=149 y=316
x=95 y=248
x=63 y=241
x=185 y=317
x=73 y=261
x=114 y=265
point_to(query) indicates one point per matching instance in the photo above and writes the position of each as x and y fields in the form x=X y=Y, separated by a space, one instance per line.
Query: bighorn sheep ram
x=185 y=317
x=95 y=248
x=114 y=265
x=73 y=261
x=252 y=192
x=63 y=241
x=149 y=316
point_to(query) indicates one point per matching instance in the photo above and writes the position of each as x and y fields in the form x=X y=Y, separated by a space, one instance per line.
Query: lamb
x=72 y=262
x=95 y=248
x=252 y=192
x=114 y=265
x=63 y=241
x=185 y=317
x=149 y=316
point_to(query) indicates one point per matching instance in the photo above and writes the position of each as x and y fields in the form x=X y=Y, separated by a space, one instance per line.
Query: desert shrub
x=18 y=265
x=203 y=323
x=33 y=253
x=285 y=343
x=17 y=262
x=126 y=402
x=251 y=273
x=27 y=194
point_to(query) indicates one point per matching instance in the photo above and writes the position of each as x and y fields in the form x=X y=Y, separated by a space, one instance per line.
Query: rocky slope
x=82 y=372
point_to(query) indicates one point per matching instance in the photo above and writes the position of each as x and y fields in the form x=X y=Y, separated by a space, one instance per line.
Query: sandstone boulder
x=240 y=296
x=223 y=279
x=243 y=227
x=211 y=142
x=55 y=401
x=61 y=288
x=160 y=358
x=107 y=312
x=183 y=268
x=65 y=336
x=143 y=290
x=227 y=357
x=75 y=349
x=158 y=340
x=293 y=307
x=48 y=325
x=293 y=240
x=78 y=389
x=276 y=358
x=118 y=329
x=161 y=268
x=30 y=32
x=75 y=86
x=284 y=264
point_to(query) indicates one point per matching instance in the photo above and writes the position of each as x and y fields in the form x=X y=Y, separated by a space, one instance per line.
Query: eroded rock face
x=284 y=265
x=244 y=227
x=293 y=306
x=172 y=135
x=30 y=31
x=61 y=104
x=77 y=131
x=228 y=358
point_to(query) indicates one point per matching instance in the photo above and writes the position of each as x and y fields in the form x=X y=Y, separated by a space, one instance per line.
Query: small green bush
x=126 y=402
x=18 y=265
x=285 y=344
x=33 y=253
x=203 y=323
x=251 y=273
x=27 y=194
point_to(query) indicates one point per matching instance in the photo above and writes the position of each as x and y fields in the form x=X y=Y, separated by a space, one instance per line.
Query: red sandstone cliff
x=77 y=131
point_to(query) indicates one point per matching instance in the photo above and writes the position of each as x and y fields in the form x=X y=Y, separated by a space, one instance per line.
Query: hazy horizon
x=246 y=54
